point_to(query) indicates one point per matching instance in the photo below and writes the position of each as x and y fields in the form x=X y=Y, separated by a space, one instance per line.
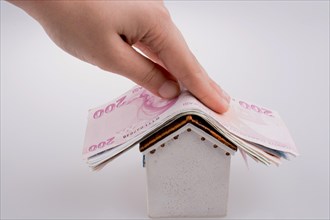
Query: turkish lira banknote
x=116 y=126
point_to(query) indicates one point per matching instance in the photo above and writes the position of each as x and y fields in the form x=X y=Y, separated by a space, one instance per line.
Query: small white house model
x=187 y=165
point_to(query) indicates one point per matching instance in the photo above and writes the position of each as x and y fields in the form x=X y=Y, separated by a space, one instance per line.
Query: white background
x=272 y=53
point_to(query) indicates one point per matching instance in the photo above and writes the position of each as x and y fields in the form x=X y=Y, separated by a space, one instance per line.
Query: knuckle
x=105 y=65
x=158 y=9
x=185 y=78
x=160 y=28
x=190 y=79
x=149 y=76
x=109 y=58
x=163 y=13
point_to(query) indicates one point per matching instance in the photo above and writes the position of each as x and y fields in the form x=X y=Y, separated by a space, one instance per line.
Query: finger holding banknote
x=103 y=33
x=174 y=55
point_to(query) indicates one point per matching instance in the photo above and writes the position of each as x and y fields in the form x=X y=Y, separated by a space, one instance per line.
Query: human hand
x=103 y=33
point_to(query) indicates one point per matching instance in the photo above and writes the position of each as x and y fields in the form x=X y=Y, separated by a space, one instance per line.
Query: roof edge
x=179 y=123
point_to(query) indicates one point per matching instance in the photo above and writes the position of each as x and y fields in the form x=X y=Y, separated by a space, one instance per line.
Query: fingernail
x=225 y=96
x=169 y=89
x=222 y=93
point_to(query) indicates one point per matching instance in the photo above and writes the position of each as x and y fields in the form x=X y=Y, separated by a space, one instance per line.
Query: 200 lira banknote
x=124 y=122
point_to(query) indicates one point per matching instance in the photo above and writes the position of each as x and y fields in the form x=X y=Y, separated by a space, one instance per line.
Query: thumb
x=131 y=64
x=179 y=61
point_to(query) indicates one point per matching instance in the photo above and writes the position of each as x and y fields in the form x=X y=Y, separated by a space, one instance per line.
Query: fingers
x=141 y=70
x=180 y=62
x=149 y=53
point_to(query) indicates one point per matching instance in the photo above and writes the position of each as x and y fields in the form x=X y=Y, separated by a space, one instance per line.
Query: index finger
x=179 y=61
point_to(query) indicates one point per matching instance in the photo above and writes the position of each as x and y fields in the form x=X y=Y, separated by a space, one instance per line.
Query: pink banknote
x=123 y=122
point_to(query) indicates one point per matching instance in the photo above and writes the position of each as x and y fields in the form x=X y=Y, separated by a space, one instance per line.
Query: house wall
x=188 y=176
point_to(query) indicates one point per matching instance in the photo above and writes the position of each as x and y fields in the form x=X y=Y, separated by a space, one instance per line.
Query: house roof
x=179 y=123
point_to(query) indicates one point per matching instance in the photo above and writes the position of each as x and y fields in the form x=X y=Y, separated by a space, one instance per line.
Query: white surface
x=272 y=53
x=187 y=177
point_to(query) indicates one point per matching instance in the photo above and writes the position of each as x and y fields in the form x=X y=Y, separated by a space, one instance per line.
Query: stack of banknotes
x=124 y=122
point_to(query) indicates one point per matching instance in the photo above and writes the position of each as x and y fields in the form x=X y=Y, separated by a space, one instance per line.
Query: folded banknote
x=116 y=126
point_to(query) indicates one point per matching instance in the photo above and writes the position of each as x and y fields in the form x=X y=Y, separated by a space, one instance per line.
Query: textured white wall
x=188 y=177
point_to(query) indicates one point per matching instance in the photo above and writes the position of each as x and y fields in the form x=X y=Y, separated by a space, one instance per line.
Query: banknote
x=116 y=126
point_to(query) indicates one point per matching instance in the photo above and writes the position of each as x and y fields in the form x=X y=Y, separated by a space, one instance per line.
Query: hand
x=104 y=33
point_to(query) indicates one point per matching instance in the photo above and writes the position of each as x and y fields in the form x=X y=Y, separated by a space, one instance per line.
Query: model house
x=187 y=164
